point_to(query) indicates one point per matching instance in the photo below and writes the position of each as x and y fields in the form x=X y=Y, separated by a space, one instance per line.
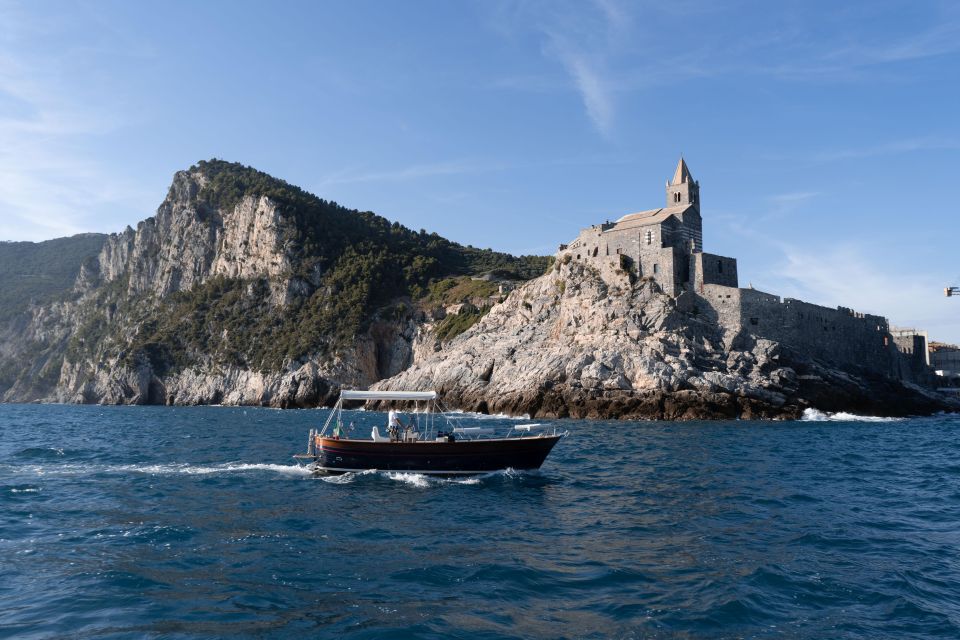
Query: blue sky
x=824 y=134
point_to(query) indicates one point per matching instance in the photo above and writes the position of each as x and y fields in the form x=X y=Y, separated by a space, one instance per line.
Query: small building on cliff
x=945 y=362
x=666 y=245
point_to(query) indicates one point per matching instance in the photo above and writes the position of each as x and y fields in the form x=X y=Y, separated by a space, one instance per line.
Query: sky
x=824 y=135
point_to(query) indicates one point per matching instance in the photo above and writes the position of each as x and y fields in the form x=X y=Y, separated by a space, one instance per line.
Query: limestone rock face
x=583 y=343
x=186 y=243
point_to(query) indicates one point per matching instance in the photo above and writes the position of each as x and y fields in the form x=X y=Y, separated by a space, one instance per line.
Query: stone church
x=666 y=245
x=663 y=244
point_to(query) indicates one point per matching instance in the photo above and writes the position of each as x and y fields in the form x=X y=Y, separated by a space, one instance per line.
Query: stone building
x=945 y=362
x=666 y=245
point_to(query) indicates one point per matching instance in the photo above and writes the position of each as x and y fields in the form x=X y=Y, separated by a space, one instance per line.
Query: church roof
x=682 y=174
x=651 y=216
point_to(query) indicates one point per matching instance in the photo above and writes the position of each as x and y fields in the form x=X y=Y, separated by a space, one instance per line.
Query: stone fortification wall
x=673 y=269
x=914 y=361
x=708 y=268
x=840 y=335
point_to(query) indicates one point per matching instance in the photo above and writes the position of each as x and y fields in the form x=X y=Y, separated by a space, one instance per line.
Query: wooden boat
x=421 y=447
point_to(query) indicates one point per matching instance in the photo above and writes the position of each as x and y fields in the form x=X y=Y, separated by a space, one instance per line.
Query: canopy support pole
x=337 y=408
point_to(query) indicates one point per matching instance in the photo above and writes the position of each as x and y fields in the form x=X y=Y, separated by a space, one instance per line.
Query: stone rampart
x=914 y=361
x=841 y=336
x=708 y=268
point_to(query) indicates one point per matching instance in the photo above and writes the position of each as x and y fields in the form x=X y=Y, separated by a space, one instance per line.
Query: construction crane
x=951 y=291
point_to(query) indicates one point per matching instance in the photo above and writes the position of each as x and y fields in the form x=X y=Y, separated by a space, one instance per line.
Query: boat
x=421 y=445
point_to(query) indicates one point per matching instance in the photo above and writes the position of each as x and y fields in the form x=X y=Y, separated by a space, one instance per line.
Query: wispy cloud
x=787 y=199
x=785 y=204
x=894 y=147
x=849 y=274
x=582 y=38
x=854 y=55
x=604 y=53
x=940 y=39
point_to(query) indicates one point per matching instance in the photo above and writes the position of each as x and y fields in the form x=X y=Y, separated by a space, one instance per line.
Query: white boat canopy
x=388 y=395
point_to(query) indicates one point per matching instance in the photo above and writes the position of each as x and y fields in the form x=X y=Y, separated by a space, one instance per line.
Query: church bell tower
x=683 y=190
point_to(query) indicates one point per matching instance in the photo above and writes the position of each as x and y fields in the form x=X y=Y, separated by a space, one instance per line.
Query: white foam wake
x=172 y=469
x=201 y=470
x=421 y=480
x=815 y=415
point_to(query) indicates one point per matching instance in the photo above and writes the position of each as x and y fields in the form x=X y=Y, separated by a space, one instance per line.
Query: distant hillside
x=39 y=272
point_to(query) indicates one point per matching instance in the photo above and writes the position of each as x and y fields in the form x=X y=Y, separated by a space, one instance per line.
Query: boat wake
x=423 y=481
x=170 y=469
x=814 y=415
x=235 y=467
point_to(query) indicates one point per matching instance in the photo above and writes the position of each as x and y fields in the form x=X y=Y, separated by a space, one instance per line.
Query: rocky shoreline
x=579 y=343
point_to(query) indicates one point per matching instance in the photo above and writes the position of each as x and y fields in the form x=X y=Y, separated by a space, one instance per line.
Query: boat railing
x=473 y=433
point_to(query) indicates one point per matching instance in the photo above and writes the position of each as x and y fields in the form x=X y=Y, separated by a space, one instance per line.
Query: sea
x=159 y=522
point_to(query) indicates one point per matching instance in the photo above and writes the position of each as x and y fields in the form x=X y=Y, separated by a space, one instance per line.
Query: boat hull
x=462 y=457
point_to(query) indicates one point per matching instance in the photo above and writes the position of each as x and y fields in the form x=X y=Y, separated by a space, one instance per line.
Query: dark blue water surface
x=129 y=522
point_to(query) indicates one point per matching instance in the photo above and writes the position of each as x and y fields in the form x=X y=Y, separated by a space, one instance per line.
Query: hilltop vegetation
x=324 y=232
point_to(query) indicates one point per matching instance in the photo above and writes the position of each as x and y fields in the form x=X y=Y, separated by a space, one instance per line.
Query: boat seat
x=375 y=434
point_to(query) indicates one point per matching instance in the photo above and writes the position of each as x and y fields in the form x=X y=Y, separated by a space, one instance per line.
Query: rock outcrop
x=585 y=344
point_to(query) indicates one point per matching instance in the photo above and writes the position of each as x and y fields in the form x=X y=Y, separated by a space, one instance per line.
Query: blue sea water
x=155 y=522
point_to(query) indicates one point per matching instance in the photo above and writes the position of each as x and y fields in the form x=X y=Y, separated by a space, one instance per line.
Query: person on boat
x=394 y=426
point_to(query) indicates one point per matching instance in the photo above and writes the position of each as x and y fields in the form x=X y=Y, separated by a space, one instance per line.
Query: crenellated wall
x=708 y=268
x=840 y=335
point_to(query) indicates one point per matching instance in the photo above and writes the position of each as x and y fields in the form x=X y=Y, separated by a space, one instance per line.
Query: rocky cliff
x=580 y=343
x=242 y=289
